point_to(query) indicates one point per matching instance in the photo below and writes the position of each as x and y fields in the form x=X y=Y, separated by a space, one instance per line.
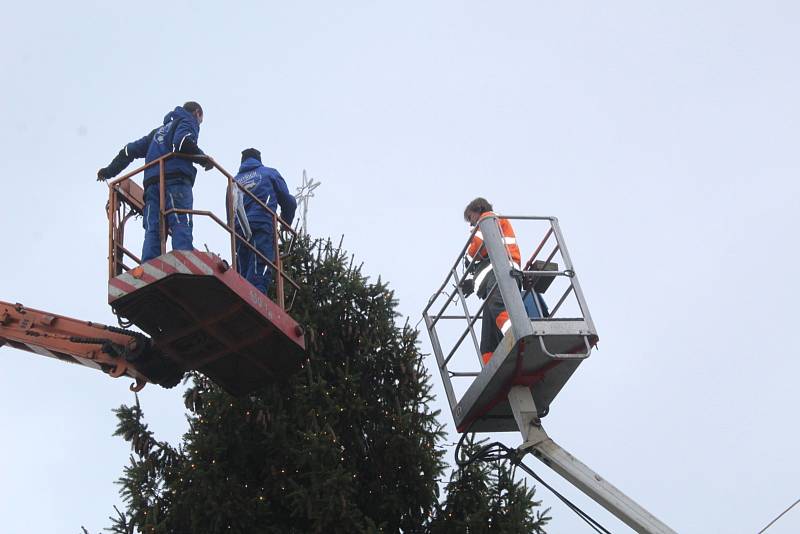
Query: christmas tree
x=349 y=444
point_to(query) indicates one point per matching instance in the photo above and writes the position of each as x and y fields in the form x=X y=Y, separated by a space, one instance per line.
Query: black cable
x=572 y=506
x=457 y=453
x=497 y=452
x=89 y=340
x=115 y=349
x=131 y=333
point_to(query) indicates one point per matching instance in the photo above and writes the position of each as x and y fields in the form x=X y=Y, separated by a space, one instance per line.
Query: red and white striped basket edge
x=177 y=261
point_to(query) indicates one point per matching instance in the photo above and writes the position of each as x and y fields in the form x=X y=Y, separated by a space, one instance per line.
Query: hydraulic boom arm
x=115 y=351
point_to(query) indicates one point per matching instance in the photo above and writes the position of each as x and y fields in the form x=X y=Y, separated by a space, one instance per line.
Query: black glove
x=467 y=286
x=102 y=174
x=205 y=162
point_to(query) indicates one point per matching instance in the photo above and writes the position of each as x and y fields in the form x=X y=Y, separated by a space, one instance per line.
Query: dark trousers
x=490 y=333
x=495 y=315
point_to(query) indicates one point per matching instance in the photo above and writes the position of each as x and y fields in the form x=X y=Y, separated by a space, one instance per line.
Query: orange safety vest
x=476 y=250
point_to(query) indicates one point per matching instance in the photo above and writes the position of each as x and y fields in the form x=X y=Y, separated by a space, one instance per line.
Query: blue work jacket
x=269 y=187
x=179 y=127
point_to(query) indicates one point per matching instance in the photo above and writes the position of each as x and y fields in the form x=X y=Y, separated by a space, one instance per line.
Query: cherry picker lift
x=194 y=310
x=534 y=360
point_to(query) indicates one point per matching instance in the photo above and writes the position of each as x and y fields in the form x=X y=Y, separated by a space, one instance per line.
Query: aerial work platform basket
x=534 y=359
x=542 y=348
x=199 y=311
x=202 y=315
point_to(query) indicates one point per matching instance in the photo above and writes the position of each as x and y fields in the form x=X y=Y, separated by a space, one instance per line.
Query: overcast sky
x=663 y=135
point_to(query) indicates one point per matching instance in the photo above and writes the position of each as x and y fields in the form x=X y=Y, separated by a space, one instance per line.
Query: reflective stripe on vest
x=481 y=276
x=476 y=248
x=503 y=322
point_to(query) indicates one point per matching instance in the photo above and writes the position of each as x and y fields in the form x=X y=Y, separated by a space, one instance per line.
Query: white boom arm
x=537 y=442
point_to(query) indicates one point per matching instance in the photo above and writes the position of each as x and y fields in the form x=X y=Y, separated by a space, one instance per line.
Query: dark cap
x=251 y=153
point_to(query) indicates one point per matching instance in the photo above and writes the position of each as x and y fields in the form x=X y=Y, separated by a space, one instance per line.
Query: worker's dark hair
x=191 y=107
x=479 y=205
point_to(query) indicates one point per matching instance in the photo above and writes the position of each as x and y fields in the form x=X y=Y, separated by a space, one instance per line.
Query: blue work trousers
x=178 y=196
x=251 y=266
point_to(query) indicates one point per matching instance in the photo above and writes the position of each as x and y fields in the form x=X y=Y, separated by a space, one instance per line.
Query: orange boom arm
x=115 y=351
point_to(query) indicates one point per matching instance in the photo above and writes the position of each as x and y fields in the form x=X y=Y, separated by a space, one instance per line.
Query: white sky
x=663 y=136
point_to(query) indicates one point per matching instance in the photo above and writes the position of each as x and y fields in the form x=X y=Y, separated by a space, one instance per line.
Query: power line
x=781 y=515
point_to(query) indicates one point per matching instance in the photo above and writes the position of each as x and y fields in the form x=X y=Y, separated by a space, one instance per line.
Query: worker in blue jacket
x=269 y=187
x=179 y=133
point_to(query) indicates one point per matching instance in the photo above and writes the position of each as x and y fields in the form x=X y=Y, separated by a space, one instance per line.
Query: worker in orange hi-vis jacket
x=495 y=322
